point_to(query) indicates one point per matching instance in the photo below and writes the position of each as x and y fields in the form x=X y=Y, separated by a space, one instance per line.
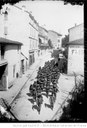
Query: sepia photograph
x=42 y=61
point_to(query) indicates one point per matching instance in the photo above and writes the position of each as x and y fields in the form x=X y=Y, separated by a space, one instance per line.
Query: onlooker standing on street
x=60 y=63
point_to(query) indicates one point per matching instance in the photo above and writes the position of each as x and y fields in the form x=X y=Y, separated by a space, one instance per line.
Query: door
x=22 y=66
x=3 y=77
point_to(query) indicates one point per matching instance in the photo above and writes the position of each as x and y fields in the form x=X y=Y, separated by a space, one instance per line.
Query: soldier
x=47 y=89
x=39 y=102
x=31 y=89
x=34 y=94
x=55 y=90
x=51 y=101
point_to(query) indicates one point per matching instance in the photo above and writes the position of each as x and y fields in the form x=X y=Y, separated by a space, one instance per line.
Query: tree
x=74 y=112
x=50 y=43
x=65 y=40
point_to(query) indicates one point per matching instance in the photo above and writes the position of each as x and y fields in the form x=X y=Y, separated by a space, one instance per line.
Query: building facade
x=76 y=50
x=56 y=39
x=19 y=25
x=14 y=25
x=43 y=39
x=10 y=61
x=43 y=35
x=33 y=39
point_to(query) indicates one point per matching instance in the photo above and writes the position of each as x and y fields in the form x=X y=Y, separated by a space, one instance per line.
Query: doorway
x=22 y=66
x=3 y=77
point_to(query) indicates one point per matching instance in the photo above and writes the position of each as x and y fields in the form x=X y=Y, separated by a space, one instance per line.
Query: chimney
x=75 y=24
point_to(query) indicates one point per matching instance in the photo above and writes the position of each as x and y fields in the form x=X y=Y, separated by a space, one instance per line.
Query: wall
x=54 y=38
x=12 y=55
x=76 y=52
x=17 y=27
x=76 y=32
x=76 y=59
x=43 y=34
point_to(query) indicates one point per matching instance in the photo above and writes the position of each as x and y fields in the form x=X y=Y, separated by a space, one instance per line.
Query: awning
x=8 y=41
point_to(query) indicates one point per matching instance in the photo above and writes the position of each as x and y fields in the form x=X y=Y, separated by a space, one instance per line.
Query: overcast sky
x=54 y=15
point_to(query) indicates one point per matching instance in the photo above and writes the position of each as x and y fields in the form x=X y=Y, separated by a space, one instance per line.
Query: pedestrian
x=60 y=65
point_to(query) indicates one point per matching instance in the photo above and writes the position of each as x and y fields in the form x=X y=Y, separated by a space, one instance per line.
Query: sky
x=54 y=15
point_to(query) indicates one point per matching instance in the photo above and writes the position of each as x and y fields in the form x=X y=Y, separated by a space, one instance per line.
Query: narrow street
x=22 y=106
x=41 y=61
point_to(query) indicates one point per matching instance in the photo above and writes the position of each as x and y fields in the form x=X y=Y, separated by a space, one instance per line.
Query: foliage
x=65 y=40
x=74 y=112
x=65 y=53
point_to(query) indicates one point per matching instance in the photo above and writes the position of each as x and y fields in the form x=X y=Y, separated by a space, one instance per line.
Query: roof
x=7 y=41
x=55 y=32
x=76 y=42
x=43 y=28
x=32 y=17
x=75 y=26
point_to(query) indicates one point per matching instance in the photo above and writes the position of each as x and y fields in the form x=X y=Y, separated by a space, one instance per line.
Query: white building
x=76 y=50
x=10 y=62
x=14 y=25
x=17 y=24
x=56 y=39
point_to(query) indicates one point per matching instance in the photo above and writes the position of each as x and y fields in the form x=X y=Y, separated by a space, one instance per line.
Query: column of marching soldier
x=47 y=79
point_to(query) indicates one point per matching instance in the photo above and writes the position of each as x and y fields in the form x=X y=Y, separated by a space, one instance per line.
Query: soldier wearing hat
x=39 y=102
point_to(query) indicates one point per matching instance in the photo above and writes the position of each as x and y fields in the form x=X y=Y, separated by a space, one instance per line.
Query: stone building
x=76 y=50
x=56 y=39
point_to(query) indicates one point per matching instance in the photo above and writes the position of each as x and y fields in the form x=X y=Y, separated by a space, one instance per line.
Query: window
x=74 y=51
x=2 y=51
x=5 y=30
x=58 y=40
x=6 y=16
